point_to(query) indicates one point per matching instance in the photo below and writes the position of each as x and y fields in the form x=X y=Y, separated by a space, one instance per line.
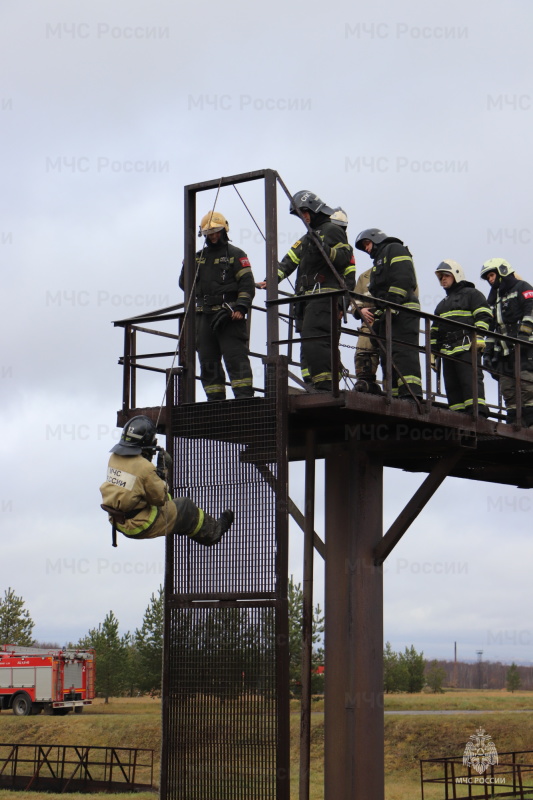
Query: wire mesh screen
x=226 y=675
x=227 y=470
x=222 y=688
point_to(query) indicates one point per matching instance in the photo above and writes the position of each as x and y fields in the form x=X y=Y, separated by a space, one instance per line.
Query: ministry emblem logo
x=480 y=752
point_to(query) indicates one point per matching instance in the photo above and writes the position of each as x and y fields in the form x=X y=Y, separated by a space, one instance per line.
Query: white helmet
x=339 y=217
x=452 y=268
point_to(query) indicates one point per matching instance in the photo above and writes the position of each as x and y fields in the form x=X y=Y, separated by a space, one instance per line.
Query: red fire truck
x=34 y=679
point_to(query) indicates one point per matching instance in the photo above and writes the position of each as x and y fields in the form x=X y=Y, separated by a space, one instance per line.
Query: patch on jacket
x=245 y=262
x=120 y=478
x=528 y=294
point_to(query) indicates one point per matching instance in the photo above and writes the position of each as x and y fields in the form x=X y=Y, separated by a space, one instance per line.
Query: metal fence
x=511 y=777
x=75 y=768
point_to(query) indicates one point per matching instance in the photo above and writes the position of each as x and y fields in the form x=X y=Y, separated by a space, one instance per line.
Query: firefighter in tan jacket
x=136 y=497
x=367 y=350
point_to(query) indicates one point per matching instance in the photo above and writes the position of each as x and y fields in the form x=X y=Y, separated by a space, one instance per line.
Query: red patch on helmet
x=528 y=294
x=245 y=262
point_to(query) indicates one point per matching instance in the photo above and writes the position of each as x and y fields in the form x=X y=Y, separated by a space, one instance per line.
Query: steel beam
x=354 y=722
x=189 y=326
x=307 y=618
x=415 y=505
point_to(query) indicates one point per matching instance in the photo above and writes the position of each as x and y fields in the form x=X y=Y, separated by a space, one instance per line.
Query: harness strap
x=120 y=517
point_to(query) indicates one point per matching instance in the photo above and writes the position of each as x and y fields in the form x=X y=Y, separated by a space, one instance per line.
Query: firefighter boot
x=212 y=529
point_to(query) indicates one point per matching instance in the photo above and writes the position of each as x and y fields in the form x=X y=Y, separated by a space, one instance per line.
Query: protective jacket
x=463 y=303
x=511 y=300
x=393 y=278
x=224 y=275
x=314 y=273
x=133 y=485
x=315 y=277
x=393 y=275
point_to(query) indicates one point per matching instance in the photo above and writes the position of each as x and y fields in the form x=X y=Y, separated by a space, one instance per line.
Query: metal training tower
x=225 y=671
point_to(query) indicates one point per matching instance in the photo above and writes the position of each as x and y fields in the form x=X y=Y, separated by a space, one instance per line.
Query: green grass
x=137 y=722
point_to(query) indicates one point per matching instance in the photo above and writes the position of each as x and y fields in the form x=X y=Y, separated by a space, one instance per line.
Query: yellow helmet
x=212 y=222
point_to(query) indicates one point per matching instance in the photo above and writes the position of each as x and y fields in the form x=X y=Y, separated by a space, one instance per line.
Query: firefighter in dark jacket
x=511 y=300
x=314 y=279
x=393 y=278
x=463 y=304
x=225 y=289
x=135 y=493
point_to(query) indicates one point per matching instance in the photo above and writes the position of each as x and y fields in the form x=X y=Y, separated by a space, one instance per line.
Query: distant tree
x=16 y=625
x=112 y=662
x=295 y=598
x=395 y=675
x=513 y=678
x=415 y=665
x=435 y=677
x=148 y=651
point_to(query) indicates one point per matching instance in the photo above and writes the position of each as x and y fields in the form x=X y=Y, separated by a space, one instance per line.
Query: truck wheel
x=78 y=709
x=22 y=705
x=60 y=712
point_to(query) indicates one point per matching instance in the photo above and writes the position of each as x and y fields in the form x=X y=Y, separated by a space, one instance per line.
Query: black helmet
x=138 y=434
x=374 y=235
x=310 y=200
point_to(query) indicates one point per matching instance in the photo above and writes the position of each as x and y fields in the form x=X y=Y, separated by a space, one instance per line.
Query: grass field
x=136 y=723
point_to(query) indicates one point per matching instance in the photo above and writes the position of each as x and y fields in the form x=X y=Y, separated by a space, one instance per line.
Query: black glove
x=164 y=463
x=220 y=319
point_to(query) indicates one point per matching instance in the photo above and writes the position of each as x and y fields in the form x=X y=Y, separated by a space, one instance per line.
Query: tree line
x=227 y=644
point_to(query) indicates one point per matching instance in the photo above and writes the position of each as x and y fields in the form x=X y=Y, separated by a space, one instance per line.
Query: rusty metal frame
x=509 y=763
x=354 y=547
x=74 y=768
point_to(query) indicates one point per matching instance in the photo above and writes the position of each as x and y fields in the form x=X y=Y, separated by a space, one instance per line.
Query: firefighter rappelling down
x=224 y=289
x=135 y=493
x=315 y=278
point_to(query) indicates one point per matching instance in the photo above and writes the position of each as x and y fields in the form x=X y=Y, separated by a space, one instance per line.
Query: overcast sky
x=415 y=117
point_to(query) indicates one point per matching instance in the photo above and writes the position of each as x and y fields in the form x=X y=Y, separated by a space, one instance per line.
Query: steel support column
x=354 y=722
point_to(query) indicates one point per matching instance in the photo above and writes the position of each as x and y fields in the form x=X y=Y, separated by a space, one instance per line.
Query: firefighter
x=465 y=304
x=511 y=300
x=366 y=351
x=135 y=493
x=314 y=279
x=393 y=278
x=225 y=289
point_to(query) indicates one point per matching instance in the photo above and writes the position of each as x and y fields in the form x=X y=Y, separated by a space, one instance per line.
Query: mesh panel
x=222 y=691
x=226 y=471
x=222 y=695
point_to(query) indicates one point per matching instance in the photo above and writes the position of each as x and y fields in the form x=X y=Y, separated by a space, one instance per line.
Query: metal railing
x=341 y=336
x=511 y=777
x=75 y=768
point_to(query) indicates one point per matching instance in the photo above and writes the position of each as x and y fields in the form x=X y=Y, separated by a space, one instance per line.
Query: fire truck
x=34 y=679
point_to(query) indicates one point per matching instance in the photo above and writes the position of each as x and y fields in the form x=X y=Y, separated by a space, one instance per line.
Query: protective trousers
x=404 y=332
x=508 y=390
x=231 y=343
x=316 y=353
x=366 y=355
x=457 y=371
x=182 y=517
